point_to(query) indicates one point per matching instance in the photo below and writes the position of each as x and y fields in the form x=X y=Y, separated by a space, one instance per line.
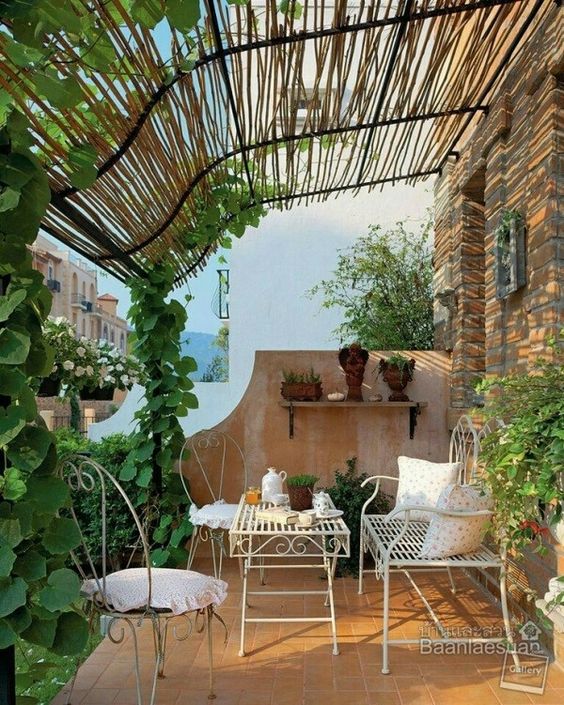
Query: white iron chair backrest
x=489 y=427
x=464 y=449
x=210 y=453
x=85 y=476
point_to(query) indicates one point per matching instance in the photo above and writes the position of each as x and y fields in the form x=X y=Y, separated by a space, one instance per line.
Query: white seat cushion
x=179 y=591
x=218 y=515
x=452 y=536
x=421 y=483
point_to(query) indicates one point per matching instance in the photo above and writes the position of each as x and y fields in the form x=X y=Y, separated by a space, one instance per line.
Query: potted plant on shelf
x=397 y=371
x=300 y=491
x=301 y=386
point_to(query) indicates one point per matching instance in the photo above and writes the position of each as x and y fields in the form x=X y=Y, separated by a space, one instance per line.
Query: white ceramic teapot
x=272 y=484
x=321 y=503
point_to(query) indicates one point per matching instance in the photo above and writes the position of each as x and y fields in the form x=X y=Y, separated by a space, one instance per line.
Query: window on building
x=105 y=332
x=83 y=327
x=50 y=272
x=122 y=342
x=113 y=337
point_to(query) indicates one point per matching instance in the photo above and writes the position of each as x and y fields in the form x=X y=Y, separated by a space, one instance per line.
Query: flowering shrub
x=81 y=363
x=524 y=459
x=117 y=370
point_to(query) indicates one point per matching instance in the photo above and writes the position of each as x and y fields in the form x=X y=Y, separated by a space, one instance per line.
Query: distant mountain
x=199 y=346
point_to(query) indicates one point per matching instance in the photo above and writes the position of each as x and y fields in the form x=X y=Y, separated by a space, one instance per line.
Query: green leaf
x=12 y=420
x=14 y=346
x=20 y=619
x=144 y=452
x=159 y=557
x=61 y=92
x=7 y=635
x=12 y=595
x=71 y=636
x=31 y=566
x=11 y=381
x=61 y=536
x=7 y=559
x=82 y=160
x=30 y=447
x=63 y=588
x=9 y=303
x=144 y=476
x=21 y=55
x=9 y=199
x=10 y=532
x=48 y=493
x=183 y=15
x=41 y=631
x=147 y=12
x=14 y=487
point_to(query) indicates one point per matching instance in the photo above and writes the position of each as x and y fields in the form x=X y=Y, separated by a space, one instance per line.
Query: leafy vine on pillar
x=158 y=326
x=37 y=591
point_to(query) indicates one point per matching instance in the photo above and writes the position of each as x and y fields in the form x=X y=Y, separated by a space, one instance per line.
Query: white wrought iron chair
x=395 y=541
x=126 y=598
x=211 y=453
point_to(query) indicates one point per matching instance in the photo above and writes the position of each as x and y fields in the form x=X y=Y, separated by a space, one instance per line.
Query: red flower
x=536 y=528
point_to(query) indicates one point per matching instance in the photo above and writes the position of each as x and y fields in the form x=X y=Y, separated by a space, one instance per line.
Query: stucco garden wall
x=325 y=437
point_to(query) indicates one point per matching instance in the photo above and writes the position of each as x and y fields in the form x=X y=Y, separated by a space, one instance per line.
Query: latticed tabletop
x=250 y=536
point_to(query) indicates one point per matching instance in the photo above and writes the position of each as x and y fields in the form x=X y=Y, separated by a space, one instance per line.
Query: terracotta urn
x=397 y=378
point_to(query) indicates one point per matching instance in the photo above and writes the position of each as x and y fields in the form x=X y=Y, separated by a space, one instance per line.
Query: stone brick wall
x=512 y=160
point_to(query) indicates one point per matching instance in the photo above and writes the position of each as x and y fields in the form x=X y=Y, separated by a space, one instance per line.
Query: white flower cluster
x=84 y=363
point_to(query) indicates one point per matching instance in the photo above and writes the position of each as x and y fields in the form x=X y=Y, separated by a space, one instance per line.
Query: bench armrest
x=460 y=514
x=376 y=479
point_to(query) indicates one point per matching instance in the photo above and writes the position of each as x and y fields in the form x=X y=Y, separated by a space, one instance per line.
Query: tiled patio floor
x=291 y=664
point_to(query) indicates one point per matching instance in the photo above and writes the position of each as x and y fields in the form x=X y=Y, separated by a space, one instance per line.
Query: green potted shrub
x=397 y=372
x=301 y=386
x=300 y=491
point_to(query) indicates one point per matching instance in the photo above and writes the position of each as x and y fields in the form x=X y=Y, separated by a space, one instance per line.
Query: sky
x=200 y=315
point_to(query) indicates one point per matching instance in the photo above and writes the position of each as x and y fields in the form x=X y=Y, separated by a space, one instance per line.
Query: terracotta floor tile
x=293 y=664
x=100 y=696
x=454 y=691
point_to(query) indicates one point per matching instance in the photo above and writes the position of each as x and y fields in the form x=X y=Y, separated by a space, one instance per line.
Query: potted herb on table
x=300 y=491
x=397 y=372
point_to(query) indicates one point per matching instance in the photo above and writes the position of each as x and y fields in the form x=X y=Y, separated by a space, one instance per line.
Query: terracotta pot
x=301 y=391
x=397 y=379
x=300 y=497
x=49 y=387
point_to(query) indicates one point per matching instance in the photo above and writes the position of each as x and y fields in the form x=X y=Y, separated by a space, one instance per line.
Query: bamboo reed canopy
x=349 y=95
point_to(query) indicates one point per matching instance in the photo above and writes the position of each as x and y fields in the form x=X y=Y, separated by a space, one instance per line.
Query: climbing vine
x=37 y=590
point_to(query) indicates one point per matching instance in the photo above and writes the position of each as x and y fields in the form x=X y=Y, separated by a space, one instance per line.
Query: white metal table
x=253 y=540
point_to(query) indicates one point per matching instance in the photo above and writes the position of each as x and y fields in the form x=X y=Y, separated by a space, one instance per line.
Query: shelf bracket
x=414 y=412
x=291 y=420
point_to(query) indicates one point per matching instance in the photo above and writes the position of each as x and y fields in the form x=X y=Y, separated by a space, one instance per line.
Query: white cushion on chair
x=452 y=536
x=421 y=482
x=176 y=590
x=218 y=515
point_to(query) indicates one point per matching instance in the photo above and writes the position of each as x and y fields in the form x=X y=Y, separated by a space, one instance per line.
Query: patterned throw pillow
x=421 y=482
x=451 y=536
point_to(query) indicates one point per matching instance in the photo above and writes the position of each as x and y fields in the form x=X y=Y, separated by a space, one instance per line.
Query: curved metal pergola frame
x=282 y=109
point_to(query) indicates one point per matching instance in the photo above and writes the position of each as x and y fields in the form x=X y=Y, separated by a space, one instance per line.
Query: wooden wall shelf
x=413 y=406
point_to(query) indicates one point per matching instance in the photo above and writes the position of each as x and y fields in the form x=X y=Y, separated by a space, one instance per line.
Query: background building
x=74 y=285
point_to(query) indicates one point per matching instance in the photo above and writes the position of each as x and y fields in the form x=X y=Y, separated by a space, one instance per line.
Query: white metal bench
x=395 y=542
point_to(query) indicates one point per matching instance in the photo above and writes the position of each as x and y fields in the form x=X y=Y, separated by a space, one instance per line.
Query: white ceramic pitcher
x=272 y=484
